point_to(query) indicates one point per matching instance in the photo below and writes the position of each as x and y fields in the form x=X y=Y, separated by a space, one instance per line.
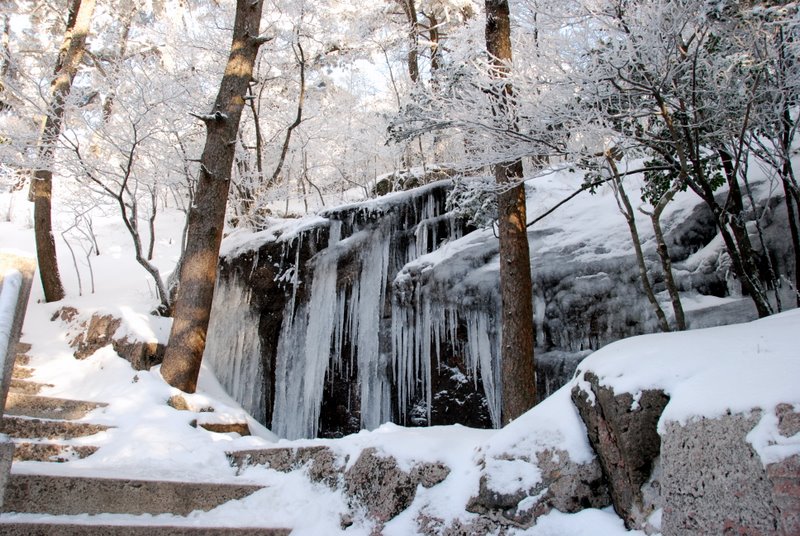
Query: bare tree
x=69 y=58
x=625 y=207
x=123 y=188
x=301 y=98
x=207 y=217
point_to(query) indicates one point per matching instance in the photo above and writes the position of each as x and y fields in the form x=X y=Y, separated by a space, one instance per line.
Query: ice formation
x=363 y=317
x=391 y=294
x=233 y=348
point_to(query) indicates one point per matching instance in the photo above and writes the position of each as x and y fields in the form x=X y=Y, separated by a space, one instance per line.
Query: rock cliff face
x=309 y=333
x=388 y=310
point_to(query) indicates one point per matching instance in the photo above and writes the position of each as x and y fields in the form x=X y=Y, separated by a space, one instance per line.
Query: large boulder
x=715 y=482
x=622 y=429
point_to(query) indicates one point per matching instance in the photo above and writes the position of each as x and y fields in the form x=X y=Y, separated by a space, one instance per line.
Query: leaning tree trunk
x=207 y=216
x=69 y=58
x=518 y=373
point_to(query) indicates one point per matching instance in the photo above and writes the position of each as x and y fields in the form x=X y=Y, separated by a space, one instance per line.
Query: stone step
x=25 y=451
x=16 y=528
x=23 y=428
x=63 y=495
x=20 y=372
x=43 y=407
x=27 y=387
x=22 y=359
x=241 y=428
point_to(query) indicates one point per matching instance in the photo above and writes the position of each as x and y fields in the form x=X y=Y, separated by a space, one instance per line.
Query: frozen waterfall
x=343 y=309
x=233 y=348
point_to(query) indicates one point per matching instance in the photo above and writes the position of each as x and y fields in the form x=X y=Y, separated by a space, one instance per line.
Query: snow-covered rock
x=699 y=431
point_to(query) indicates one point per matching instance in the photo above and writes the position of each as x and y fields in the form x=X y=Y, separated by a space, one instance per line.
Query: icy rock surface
x=388 y=310
x=326 y=288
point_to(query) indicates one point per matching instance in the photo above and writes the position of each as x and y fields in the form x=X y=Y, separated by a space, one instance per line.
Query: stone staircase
x=43 y=429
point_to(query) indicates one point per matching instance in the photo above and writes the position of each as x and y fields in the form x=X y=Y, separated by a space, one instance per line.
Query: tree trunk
x=410 y=9
x=734 y=214
x=69 y=58
x=518 y=373
x=207 y=216
x=127 y=19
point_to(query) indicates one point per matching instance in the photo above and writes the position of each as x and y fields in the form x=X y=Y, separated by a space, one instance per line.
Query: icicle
x=337 y=318
x=288 y=419
x=367 y=308
x=321 y=310
x=233 y=349
x=295 y=277
x=304 y=348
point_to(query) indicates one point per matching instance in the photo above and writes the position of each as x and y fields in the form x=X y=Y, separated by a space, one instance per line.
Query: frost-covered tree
x=316 y=97
x=79 y=18
x=675 y=80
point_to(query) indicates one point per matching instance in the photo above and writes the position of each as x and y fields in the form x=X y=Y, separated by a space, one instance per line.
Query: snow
x=703 y=370
x=152 y=440
x=706 y=372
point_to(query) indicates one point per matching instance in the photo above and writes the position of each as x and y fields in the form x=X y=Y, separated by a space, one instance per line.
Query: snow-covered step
x=29 y=428
x=17 y=528
x=21 y=372
x=66 y=495
x=27 y=387
x=26 y=451
x=44 y=407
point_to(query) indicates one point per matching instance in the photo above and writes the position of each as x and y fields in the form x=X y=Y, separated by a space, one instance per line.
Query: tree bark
x=410 y=9
x=518 y=373
x=207 y=216
x=69 y=58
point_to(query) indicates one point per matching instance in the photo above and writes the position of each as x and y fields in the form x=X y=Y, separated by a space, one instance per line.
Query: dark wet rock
x=623 y=432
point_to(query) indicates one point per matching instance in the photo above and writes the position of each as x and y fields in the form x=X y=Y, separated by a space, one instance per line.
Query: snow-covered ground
x=707 y=372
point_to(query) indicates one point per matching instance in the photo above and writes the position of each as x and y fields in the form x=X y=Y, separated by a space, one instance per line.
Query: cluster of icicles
x=314 y=333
